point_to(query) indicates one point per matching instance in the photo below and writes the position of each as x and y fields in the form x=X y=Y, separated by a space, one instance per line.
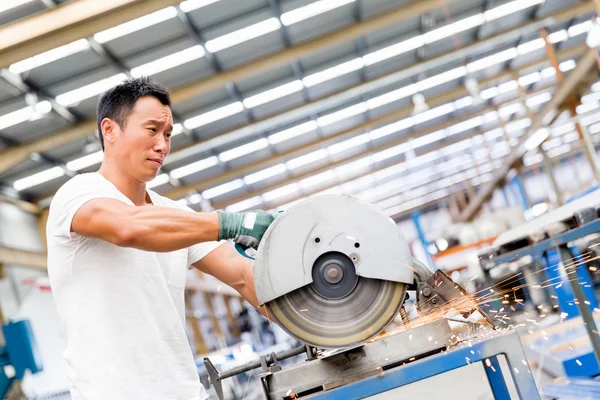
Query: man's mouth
x=156 y=161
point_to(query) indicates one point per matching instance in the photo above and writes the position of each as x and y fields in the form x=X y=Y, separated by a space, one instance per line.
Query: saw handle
x=242 y=250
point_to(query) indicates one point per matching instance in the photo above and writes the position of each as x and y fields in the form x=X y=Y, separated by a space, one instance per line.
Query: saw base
x=339 y=368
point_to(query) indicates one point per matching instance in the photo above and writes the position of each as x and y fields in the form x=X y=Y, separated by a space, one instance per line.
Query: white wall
x=18 y=229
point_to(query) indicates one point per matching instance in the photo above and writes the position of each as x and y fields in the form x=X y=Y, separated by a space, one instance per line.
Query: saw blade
x=335 y=323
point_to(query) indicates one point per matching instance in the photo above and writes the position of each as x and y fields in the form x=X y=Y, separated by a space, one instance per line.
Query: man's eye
x=152 y=129
x=168 y=136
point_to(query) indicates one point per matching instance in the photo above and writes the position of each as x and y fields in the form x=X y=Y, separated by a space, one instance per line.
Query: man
x=118 y=255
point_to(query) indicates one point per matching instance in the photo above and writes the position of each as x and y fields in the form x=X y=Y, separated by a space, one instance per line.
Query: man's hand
x=246 y=228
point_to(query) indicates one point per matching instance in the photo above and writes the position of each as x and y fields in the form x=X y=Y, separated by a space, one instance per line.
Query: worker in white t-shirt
x=118 y=255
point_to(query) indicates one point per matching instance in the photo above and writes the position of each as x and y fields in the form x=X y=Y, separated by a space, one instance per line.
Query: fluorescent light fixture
x=273 y=94
x=293 y=132
x=389 y=171
x=317 y=179
x=442 y=78
x=243 y=35
x=307 y=159
x=530 y=79
x=537 y=139
x=463 y=102
x=280 y=192
x=24 y=114
x=348 y=144
x=558 y=151
x=490 y=116
x=548 y=72
x=39 y=178
x=391 y=128
x=428 y=139
x=567 y=65
x=135 y=25
x=580 y=29
x=530 y=46
x=392 y=96
x=465 y=125
x=433 y=113
x=353 y=166
x=508 y=86
x=493 y=134
x=168 y=62
x=191 y=5
x=194 y=167
x=518 y=125
x=596 y=87
x=311 y=10
x=538 y=99
x=561 y=130
x=158 y=181
x=86 y=161
x=391 y=152
x=244 y=150
x=214 y=115
x=492 y=60
x=223 y=189
x=265 y=174
x=552 y=143
x=394 y=50
x=558 y=36
x=532 y=159
x=9 y=4
x=570 y=137
x=453 y=28
x=510 y=8
x=194 y=198
x=489 y=93
x=177 y=129
x=342 y=114
x=49 y=56
x=510 y=109
x=334 y=72
x=88 y=91
x=358 y=184
x=244 y=204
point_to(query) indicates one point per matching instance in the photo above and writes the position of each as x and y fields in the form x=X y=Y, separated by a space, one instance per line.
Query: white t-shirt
x=121 y=309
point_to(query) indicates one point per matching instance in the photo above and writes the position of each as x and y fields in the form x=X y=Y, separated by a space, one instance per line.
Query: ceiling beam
x=372 y=150
x=23 y=258
x=384 y=119
x=14 y=155
x=68 y=22
x=584 y=65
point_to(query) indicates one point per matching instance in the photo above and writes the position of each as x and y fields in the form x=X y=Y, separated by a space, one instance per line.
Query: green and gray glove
x=245 y=228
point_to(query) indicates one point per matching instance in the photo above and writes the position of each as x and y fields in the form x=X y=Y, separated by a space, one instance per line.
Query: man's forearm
x=164 y=229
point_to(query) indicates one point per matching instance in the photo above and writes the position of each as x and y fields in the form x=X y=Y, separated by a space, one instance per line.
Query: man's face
x=141 y=146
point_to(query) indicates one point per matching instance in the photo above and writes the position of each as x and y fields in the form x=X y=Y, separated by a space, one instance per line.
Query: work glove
x=244 y=228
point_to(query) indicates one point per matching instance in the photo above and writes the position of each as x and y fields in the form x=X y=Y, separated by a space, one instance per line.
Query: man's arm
x=231 y=268
x=150 y=228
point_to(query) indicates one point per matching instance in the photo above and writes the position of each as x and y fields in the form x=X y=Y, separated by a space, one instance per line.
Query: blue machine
x=571 y=283
x=20 y=354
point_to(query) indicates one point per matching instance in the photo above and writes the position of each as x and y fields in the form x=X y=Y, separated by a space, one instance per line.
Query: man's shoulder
x=79 y=183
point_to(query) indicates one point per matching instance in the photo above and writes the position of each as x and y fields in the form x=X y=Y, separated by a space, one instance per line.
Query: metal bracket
x=437 y=293
x=269 y=363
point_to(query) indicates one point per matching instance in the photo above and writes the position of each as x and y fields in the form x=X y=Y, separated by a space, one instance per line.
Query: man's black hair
x=118 y=102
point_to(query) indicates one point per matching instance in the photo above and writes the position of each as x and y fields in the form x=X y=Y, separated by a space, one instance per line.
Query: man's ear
x=110 y=130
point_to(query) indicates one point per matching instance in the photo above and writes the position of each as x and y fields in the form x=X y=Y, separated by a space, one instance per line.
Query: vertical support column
x=518 y=184
x=572 y=103
x=496 y=379
x=200 y=346
x=235 y=327
x=424 y=242
x=42 y=219
x=558 y=198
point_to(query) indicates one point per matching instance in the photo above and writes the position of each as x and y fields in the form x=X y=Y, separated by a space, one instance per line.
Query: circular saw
x=333 y=271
